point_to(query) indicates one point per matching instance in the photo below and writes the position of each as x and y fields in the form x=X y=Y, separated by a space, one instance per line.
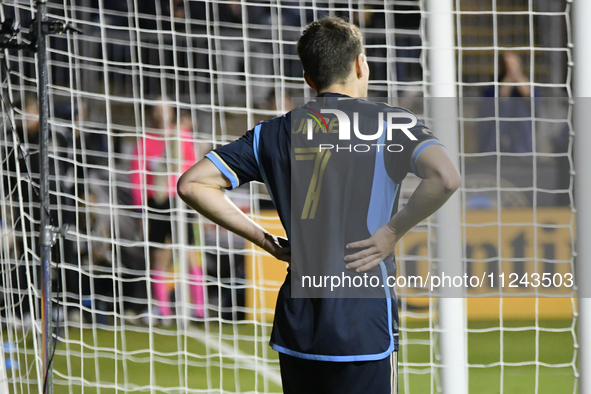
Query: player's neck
x=352 y=90
x=355 y=85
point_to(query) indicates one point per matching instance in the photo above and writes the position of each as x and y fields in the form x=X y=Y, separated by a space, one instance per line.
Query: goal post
x=47 y=232
x=582 y=91
x=441 y=59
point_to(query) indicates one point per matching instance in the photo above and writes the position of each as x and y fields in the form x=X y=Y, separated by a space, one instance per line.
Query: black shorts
x=301 y=376
x=160 y=221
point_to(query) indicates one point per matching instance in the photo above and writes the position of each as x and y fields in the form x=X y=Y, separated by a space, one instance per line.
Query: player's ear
x=361 y=66
x=310 y=83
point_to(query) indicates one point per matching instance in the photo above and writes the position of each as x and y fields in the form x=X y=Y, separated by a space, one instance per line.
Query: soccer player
x=330 y=345
x=154 y=156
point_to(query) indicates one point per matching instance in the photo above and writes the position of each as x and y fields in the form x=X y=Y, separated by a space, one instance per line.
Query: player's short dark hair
x=327 y=49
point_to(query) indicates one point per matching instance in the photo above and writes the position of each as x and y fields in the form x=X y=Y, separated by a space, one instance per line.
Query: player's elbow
x=183 y=187
x=198 y=182
x=435 y=165
x=450 y=179
x=188 y=186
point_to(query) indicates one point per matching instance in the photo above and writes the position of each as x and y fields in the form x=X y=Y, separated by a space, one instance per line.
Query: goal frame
x=582 y=92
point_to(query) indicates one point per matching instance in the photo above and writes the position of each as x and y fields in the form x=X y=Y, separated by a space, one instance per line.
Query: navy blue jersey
x=330 y=329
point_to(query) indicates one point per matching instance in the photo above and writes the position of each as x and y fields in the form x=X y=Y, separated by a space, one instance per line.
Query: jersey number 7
x=320 y=158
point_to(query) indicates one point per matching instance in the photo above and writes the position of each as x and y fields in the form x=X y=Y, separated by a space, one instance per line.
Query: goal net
x=149 y=296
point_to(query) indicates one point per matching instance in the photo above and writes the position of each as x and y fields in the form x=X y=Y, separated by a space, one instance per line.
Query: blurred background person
x=89 y=263
x=514 y=101
x=154 y=174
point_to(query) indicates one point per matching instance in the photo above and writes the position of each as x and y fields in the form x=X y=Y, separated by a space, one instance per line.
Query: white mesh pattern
x=222 y=66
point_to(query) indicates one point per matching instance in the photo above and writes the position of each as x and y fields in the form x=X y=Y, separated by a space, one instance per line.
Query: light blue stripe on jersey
x=381 y=202
x=255 y=147
x=255 y=143
x=223 y=169
x=417 y=152
x=383 y=192
x=321 y=357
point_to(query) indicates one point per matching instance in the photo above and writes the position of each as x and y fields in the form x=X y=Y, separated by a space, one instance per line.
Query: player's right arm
x=201 y=187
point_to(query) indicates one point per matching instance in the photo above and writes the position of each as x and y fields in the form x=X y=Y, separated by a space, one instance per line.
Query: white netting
x=220 y=67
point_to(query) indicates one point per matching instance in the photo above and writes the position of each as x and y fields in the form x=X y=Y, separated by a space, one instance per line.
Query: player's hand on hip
x=373 y=249
x=278 y=247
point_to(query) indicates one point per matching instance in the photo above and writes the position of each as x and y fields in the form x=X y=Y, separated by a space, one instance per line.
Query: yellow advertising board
x=525 y=255
x=264 y=272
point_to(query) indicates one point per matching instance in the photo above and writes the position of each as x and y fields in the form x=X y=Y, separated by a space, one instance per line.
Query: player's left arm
x=201 y=187
x=440 y=179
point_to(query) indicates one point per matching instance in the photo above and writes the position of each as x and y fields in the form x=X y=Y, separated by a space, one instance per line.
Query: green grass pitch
x=120 y=359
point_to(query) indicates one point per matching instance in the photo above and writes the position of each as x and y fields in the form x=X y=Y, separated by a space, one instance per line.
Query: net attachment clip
x=52 y=233
x=10 y=30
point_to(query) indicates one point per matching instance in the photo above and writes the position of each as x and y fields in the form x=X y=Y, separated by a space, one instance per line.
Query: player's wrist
x=266 y=241
x=398 y=225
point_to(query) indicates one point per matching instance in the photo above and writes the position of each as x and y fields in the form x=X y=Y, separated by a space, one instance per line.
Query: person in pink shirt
x=165 y=152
